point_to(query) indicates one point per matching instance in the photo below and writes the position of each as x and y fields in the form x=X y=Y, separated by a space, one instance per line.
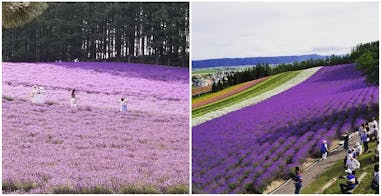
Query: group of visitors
x=37 y=95
x=367 y=132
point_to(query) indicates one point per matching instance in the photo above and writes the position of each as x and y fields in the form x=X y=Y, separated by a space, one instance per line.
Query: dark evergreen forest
x=153 y=33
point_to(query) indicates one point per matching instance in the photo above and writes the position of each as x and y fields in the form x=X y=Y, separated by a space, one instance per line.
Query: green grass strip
x=256 y=90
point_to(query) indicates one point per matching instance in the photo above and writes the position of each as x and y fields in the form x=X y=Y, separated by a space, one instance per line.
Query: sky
x=251 y=29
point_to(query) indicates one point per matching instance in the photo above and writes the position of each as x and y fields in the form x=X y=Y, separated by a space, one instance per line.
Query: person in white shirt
x=373 y=127
x=123 y=104
x=353 y=164
x=41 y=95
x=33 y=94
x=74 y=99
x=358 y=149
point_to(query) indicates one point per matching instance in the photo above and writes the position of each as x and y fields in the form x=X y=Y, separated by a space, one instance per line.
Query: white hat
x=348 y=171
x=41 y=88
x=350 y=156
x=324 y=141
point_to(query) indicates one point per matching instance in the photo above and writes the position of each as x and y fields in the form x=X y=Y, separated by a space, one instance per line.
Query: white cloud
x=243 y=29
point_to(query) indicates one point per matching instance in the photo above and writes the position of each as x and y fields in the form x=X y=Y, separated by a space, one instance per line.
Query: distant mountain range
x=210 y=63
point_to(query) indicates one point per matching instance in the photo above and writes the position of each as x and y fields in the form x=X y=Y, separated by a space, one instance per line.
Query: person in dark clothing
x=346 y=140
x=298 y=180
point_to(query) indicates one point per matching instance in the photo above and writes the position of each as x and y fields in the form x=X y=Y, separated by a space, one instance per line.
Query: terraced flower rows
x=210 y=98
x=243 y=151
x=255 y=90
x=48 y=148
x=264 y=90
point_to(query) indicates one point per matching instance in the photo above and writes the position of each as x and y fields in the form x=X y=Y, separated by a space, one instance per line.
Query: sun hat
x=324 y=141
x=348 y=171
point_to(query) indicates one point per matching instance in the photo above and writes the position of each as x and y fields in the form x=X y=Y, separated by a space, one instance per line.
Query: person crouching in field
x=298 y=180
x=123 y=105
x=358 y=149
x=74 y=99
x=351 y=182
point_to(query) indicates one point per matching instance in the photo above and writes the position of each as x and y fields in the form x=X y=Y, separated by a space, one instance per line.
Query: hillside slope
x=267 y=140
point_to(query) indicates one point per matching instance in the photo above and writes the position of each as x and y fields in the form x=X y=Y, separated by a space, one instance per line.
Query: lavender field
x=243 y=151
x=48 y=148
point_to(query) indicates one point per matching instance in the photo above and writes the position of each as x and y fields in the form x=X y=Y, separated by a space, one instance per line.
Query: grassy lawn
x=256 y=90
x=338 y=170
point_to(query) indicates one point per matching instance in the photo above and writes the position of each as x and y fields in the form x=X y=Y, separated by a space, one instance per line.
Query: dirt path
x=310 y=174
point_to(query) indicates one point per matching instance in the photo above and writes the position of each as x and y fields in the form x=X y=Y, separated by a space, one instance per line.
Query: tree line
x=155 y=33
x=263 y=70
x=365 y=55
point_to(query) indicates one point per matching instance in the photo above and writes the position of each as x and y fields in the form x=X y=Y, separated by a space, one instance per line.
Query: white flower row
x=302 y=76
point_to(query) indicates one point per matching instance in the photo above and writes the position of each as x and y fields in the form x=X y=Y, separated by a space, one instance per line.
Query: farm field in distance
x=49 y=148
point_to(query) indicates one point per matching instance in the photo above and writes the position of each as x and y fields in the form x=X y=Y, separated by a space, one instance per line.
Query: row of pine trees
x=154 y=33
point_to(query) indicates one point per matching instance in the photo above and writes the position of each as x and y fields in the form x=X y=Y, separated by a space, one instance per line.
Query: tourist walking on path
x=352 y=164
x=123 y=104
x=351 y=182
x=74 y=99
x=324 y=150
x=346 y=140
x=298 y=180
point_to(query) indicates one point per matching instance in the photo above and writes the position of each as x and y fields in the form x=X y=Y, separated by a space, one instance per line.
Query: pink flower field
x=49 y=148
